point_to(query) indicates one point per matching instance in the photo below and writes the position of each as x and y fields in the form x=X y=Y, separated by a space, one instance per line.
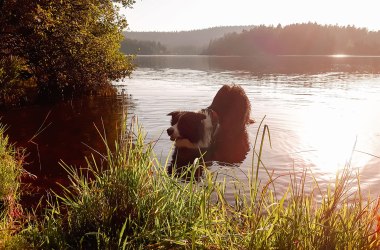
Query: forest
x=136 y=47
x=298 y=39
x=190 y=42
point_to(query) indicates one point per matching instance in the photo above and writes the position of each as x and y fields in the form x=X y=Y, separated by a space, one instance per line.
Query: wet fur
x=224 y=121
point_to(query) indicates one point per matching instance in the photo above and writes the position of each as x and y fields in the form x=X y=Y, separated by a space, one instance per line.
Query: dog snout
x=170 y=131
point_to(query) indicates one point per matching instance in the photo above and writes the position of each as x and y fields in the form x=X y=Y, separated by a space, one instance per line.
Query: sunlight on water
x=331 y=133
x=340 y=55
x=320 y=115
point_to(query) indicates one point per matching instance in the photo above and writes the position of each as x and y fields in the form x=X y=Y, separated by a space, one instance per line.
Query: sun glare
x=340 y=55
x=332 y=135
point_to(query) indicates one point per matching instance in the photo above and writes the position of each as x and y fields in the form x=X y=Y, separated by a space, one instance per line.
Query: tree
x=68 y=47
x=298 y=39
x=132 y=46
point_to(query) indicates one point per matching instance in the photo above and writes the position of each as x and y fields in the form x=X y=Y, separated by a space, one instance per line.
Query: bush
x=69 y=47
x=10 y=172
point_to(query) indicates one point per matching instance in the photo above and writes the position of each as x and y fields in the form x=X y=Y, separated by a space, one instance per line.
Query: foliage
x=298 y=39
x=132 y=46
x=15 y=81
x=69 y=47
x=129 y=204
x=132 y=203
x=10 y=172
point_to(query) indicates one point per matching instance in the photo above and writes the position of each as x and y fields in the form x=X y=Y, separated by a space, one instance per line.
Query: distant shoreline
x=237 y=56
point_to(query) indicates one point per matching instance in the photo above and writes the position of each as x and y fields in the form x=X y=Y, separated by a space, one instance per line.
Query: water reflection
x=66 y=131
x=320 y=110
x=262 y=65
x=228 y=151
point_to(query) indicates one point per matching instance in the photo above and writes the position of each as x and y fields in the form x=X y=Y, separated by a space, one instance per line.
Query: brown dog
x=217 y=133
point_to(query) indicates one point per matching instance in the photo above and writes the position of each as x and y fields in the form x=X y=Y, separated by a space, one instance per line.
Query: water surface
x=66 y=131
x=321 y=110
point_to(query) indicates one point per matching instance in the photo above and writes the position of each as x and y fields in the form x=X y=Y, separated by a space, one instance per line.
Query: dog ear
x=174 y=113
x=175 y=117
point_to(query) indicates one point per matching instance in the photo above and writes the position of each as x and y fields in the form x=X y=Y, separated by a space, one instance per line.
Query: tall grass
x=10 y=172
x=128 y=201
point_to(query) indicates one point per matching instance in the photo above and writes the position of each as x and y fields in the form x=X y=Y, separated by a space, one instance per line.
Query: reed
x=128 y=201
x=10 y=172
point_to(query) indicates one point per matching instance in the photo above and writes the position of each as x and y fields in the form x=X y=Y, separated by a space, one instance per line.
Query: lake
x=322 y=112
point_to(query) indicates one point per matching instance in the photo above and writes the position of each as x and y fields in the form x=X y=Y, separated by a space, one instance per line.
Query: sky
x=179 y=15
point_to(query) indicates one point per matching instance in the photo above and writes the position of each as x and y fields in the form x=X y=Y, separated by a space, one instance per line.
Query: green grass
x=10 y=172
x=130 y=202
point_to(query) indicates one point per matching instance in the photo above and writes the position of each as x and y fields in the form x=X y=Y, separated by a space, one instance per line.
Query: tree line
x=56 y=49
x=298 y=39
x=136 y=47
x=185 y=42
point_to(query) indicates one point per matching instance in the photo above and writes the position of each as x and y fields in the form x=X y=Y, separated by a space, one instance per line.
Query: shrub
x=10 y=172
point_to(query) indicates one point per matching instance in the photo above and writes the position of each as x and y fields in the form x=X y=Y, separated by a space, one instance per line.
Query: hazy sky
x=177 y=15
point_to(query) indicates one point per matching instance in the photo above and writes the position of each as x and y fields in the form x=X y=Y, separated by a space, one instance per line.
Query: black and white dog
x=217 y=133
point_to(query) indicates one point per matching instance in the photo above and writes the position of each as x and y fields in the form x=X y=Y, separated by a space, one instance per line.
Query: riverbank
x=10 y=174
x=130 y=202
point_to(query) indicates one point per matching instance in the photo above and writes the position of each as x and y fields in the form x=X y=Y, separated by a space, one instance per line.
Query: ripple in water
x=318 y=120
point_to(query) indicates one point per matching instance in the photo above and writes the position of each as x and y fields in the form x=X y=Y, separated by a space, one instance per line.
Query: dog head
x=192 y=129
x=186 y=128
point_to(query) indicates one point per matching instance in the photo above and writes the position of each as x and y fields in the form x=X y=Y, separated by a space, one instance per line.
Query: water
x=321 y=111
x=64 y=132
